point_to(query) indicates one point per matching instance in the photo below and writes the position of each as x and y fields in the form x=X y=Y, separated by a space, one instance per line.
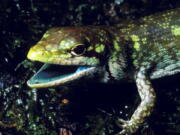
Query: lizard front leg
x=147 y=96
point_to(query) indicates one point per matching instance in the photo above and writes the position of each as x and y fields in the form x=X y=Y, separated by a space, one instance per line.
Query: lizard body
x=138 y=51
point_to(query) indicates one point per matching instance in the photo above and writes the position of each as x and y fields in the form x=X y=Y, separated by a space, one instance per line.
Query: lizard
x=135 y=51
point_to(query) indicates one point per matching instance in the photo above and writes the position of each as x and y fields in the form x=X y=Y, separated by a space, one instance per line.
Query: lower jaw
x=39 y=82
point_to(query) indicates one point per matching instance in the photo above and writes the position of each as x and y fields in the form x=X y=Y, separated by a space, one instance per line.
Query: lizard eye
x=78 y=50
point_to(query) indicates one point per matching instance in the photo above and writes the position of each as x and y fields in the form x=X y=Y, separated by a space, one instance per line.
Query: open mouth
x=52 y=75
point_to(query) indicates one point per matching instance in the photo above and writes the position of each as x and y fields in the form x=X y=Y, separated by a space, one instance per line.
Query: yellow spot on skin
x=116 y=45
x=99 y=48
x=136 y=40
x=175 y=30
x=137 y=46
x=144 y=40
x=66 y=44
x=62 y=43
x=45 y=35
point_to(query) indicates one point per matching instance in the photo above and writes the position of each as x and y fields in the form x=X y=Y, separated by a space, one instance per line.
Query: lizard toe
x=128 y=127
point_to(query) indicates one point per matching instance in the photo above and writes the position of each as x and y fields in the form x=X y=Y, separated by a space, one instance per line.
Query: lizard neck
x=120 y=60
x=117 y=60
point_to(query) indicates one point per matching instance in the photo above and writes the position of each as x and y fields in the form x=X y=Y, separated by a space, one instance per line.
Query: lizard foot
x=128 y=127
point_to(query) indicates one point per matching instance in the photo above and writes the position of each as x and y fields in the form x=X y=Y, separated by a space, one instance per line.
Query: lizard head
x=69 y=53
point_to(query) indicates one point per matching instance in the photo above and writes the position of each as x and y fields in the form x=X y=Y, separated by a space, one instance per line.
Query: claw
x=122 y=132
x=122 y=121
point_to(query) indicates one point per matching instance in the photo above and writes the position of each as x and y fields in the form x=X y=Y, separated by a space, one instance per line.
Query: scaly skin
x=138 y=51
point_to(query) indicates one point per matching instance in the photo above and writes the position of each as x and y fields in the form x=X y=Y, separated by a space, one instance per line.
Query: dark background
x=91 y=109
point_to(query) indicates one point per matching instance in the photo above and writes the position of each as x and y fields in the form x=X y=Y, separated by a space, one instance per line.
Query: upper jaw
x=55 y=72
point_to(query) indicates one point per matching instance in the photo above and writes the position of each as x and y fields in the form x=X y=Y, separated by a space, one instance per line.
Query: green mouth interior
x=50 y=72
